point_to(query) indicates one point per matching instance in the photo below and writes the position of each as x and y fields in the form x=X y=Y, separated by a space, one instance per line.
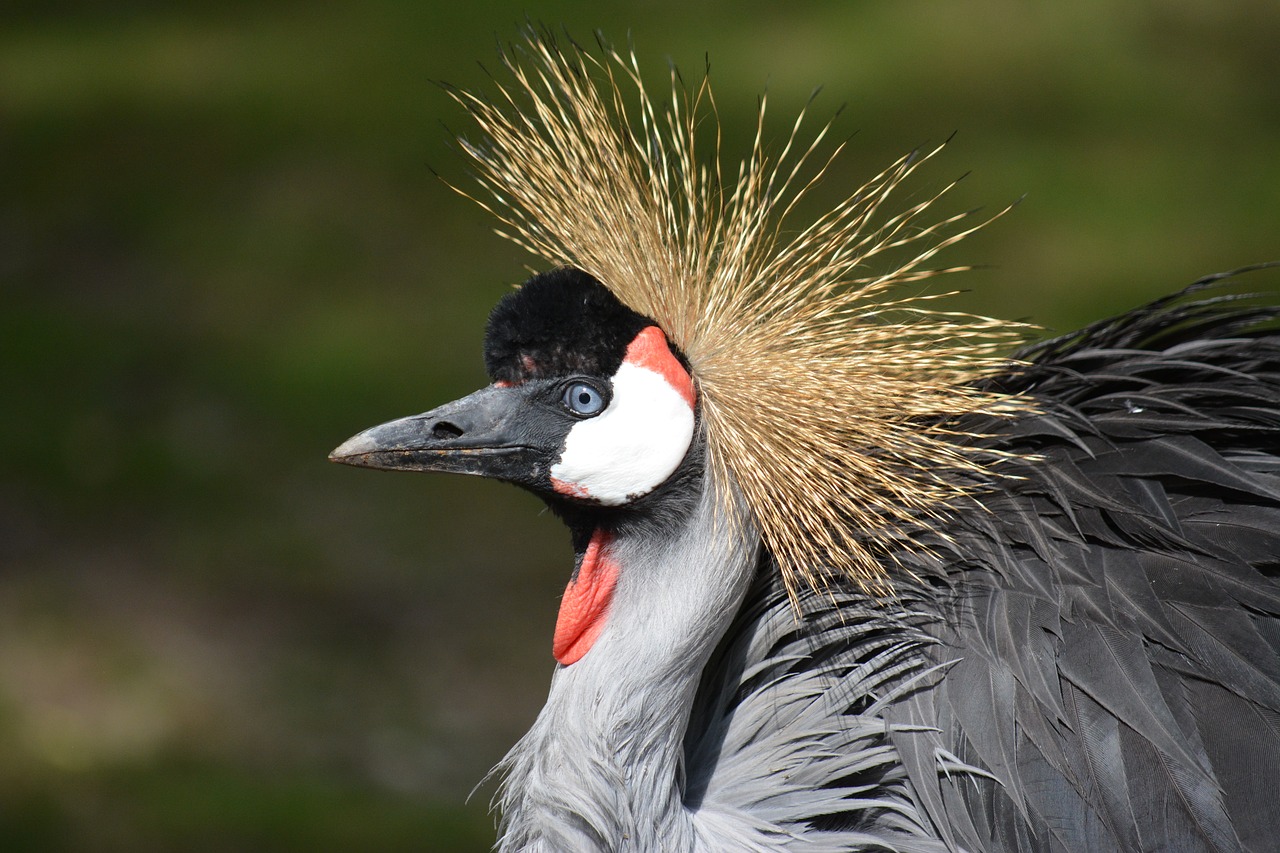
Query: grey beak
x=488 y=434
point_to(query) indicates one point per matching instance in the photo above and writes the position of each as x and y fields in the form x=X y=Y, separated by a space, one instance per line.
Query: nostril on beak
x=445 y=430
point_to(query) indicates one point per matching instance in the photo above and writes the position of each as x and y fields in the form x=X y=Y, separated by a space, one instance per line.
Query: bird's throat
x=585 y=604
x=648 y=606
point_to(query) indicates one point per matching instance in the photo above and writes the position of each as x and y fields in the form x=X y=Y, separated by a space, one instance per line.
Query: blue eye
x=583 y=399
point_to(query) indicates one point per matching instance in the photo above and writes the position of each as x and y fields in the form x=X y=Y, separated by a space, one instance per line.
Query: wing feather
x=1089 y=661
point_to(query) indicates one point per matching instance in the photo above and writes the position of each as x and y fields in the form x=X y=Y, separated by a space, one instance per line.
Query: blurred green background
x=223 y=250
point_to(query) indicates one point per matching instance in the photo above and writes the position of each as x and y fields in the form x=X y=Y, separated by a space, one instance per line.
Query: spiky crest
x=825 y=401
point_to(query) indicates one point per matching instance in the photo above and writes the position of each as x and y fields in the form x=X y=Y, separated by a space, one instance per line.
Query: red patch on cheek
x=573 y=490
x=586 y=602
x=649 y=350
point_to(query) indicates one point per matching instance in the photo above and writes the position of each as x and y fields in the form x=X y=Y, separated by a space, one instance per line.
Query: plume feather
x=826 y=397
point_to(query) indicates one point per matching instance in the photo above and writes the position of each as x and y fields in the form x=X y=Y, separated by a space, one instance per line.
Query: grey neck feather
x=602 y=767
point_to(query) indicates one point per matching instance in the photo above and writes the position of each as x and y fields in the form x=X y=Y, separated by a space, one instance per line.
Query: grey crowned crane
x=844 y=577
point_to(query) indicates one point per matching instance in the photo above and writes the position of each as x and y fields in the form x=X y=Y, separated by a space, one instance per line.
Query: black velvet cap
x=559 y=323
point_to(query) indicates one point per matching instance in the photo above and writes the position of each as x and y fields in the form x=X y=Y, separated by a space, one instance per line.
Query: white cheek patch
x=635 y=444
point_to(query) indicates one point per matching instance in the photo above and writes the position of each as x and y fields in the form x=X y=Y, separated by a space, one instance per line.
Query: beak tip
x=355 y=446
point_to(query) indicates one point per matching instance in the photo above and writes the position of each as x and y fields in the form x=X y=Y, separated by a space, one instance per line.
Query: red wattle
x=586 y=602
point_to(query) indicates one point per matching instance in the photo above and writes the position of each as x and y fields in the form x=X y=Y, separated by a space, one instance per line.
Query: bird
x=851 y=572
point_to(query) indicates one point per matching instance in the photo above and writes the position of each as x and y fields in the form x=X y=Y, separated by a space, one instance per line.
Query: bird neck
x=602 y=767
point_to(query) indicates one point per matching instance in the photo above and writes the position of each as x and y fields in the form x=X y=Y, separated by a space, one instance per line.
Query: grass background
x=223 y=250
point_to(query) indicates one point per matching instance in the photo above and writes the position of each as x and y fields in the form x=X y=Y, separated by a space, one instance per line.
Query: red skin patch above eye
x=586 y=602
x=649 y=350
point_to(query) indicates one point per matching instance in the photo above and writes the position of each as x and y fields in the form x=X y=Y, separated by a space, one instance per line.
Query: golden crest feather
x=824 y=399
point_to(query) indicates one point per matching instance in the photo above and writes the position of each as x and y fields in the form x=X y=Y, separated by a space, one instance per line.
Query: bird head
x=687 y=326
x=589 y=406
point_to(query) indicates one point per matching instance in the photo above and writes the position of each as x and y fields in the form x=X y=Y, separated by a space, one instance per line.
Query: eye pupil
x=582 y=399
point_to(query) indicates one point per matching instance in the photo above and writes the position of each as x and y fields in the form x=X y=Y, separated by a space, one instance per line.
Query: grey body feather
x=1089 y=661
